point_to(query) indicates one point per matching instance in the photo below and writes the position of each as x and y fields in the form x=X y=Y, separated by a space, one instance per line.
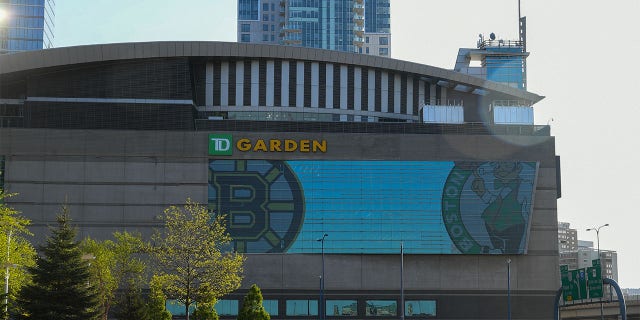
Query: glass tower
x=26 y=25
x=326 y=24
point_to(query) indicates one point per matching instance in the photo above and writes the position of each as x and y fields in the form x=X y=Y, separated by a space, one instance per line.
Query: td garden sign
x=224 y=145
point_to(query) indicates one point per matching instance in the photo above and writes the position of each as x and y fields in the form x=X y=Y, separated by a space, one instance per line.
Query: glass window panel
x=420 y=308
x=227 y=307
x=271 y=306
x=342 y=308
x=302 y=307
x=384 y=308
x=177 y=309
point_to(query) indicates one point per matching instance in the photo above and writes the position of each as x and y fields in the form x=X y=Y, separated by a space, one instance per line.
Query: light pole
x=6 y=274
x=509 y=288
x=597 y=230
x=321 y=304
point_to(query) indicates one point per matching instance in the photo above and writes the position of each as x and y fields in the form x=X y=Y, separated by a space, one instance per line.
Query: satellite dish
x=492 y=36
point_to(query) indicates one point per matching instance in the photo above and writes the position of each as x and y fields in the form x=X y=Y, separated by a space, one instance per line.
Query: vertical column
x=443 y=96
x=397 y=97
x=329 y=86
x=300 y=84
x=384 y=92
x=344 y=86
x=224 y=84
x=284 y=95
x=372 y=91
x=315 y=84
x=357 y=89
x=270 y=83
x=410 y=105
x=239 y=83
x=255 y=83
x=208 y=100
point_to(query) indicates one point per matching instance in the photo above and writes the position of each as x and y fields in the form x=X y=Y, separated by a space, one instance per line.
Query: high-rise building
x=578 y=254
x=26 y=25
x=567 y=237
x=361 y=26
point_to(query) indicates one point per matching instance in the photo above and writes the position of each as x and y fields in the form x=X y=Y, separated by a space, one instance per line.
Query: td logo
x=220 y=144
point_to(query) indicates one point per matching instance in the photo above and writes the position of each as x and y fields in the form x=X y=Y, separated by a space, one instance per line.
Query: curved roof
x=25 y=61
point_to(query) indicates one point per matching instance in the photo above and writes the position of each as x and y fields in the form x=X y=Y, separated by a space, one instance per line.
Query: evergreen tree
x=61 y=287
x=252 y=308
x=131 y=305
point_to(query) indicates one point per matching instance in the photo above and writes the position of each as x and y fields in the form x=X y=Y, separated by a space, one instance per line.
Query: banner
x=441 y=207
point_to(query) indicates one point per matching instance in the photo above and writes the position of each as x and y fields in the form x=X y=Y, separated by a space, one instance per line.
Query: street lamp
x=509 y=288
x=321 y=304
x=597 y=230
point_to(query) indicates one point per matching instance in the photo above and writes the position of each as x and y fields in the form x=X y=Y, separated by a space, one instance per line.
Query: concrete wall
x=122 y=180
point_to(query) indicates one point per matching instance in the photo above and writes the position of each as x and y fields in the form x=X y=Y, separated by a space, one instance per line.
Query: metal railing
x=500 y=43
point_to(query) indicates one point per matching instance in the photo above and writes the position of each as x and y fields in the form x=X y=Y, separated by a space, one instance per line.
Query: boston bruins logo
x=263 y=201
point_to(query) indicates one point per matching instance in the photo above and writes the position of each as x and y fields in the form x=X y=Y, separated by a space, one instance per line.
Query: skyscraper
x=26 y=25
x=361 y=26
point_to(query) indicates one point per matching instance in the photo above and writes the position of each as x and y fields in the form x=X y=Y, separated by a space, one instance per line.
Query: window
x=420 y=308
x=273 y=27
x=245 y=27
x=384 y=51
x=265 y=27
x=384 y=40
x=176 y=308
x=265 y=37
x=342 y=308
x=227 y=307
x=382 y=308
x=302 y=307
x=265 y=17
x=271 y=306
x=367 y=50
x=245 y=37
x=366 y=39
x=265 y=7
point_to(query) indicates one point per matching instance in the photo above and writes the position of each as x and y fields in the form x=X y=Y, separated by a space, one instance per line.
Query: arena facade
x=292 y=144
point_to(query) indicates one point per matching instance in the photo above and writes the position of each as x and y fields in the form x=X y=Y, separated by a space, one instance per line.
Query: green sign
x=220 y=144
x=582 y=283
x=594 y=279
x=577 y=285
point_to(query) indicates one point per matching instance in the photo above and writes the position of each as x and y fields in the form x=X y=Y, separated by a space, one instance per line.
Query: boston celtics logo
x=486 y=206
x=263 y=201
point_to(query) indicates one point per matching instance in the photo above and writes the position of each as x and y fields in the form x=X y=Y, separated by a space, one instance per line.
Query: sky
x=582 y=61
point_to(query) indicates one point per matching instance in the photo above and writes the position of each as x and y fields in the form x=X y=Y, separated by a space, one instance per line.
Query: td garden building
x=293 y=144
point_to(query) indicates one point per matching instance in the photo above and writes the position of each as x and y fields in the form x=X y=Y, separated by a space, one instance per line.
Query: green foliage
x=252 y=308
x=100 y=265
x=131 y=305
x=205 y=311
x=61 y=287
x=16 y=252
x=115 y=264
x=156 y=306
x=190 y=258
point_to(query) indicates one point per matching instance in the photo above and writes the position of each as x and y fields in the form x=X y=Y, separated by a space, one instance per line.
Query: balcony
x=358 y=20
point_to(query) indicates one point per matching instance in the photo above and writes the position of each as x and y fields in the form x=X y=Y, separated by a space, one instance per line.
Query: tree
x=190 y=257
x=252 y=308
x=116 y=264
x=61 y=287
x=100 y=270
x=16 y=252
x=157 y=307
x=131 y=305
